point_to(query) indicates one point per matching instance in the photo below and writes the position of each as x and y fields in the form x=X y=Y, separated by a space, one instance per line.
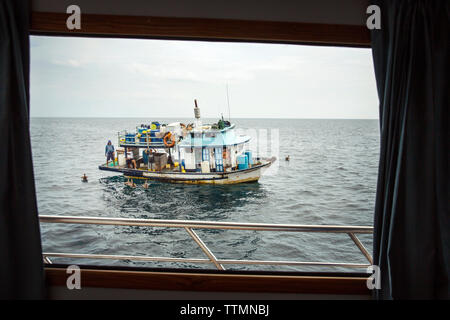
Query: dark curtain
x=21 y=267
x=411 y=226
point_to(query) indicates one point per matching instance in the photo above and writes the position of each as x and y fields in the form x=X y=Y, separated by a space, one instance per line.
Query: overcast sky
x=91 y=77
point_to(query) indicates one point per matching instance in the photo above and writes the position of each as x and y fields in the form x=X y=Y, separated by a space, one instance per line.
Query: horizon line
x=96 y=117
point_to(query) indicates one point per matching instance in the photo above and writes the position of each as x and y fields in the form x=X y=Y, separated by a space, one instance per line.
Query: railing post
x=361 y=247
x=204 y=248
x=46 y=260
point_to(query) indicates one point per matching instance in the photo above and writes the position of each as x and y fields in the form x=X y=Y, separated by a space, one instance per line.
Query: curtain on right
x=411 y=224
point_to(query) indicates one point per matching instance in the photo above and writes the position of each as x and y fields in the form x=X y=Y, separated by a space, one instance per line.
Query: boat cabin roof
x=213 y=138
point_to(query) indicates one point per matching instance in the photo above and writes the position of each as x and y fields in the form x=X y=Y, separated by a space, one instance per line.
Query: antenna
x=228 y=101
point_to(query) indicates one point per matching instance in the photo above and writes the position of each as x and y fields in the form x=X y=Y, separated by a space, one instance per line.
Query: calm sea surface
x=330 y=179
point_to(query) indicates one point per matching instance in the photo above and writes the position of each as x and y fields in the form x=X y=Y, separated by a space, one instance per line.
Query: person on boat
x=170 y=161
x=109 y=153
x=150 y=157
x=132 y=156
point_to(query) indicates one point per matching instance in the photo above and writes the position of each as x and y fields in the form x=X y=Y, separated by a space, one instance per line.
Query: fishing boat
x=195 y=153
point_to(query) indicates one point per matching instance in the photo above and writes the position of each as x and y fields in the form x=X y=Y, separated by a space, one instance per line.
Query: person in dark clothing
x=109 y=153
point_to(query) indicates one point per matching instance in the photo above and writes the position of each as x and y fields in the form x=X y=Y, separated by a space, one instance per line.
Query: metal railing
x=144 y=141
x=189 y=225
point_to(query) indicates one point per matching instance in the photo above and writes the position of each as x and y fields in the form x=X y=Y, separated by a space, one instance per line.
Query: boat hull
x=239 y=176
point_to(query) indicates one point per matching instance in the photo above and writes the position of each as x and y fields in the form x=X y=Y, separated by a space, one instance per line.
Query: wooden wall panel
x=221 y=282
x=202 y=29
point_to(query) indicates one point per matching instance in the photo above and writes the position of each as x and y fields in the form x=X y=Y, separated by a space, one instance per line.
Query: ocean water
x=329 y=180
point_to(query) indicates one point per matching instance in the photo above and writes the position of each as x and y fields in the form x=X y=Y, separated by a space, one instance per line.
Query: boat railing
x=189 y=226
x=140 y=142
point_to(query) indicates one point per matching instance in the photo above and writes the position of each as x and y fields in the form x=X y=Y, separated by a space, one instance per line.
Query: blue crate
x=242 y=166
x=242 y=159
x=249 y=157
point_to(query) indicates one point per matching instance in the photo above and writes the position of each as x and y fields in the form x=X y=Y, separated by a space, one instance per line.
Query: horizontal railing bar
x=123 y=257
x=194 y=260
x=295 y=263
x=205 y=224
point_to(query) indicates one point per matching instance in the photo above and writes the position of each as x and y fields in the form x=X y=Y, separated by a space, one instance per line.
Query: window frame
x=201 y=29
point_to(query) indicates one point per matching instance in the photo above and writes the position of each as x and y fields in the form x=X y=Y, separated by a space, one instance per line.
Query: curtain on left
x=21 y=267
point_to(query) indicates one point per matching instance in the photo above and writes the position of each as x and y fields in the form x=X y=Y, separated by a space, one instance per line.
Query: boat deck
x=251 y=174
x=176 y=170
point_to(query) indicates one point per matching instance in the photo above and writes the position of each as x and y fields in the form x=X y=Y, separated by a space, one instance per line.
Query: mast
x=198 y=122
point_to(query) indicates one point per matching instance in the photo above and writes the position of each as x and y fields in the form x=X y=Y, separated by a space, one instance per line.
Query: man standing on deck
x=109 y=153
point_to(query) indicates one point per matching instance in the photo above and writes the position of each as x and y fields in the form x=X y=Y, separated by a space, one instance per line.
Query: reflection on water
x=177 y=201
